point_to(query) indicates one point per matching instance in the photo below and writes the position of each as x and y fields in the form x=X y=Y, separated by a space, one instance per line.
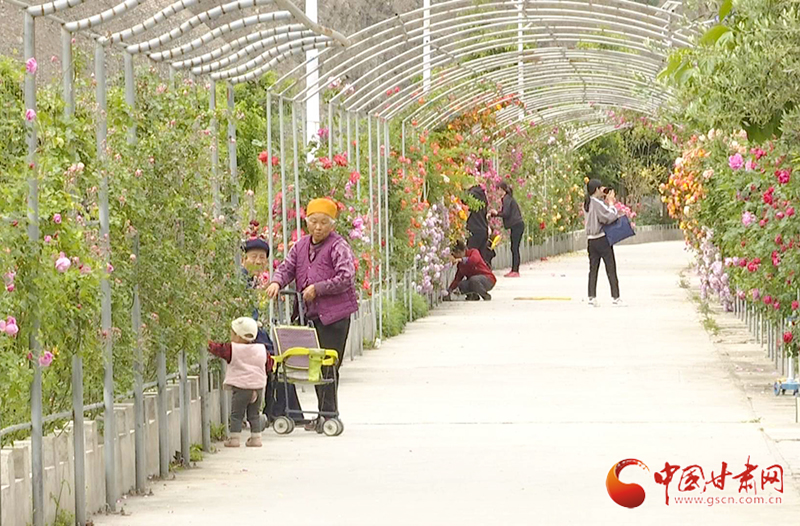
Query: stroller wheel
x=283 y=425
x=333 y=427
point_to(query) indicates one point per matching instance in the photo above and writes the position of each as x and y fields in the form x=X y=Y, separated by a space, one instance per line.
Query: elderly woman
x=322 y=265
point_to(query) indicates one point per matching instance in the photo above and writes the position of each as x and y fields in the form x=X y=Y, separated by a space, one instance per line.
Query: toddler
x=248 y=365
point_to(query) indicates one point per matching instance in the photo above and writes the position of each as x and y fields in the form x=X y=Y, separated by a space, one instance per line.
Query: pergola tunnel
x=361 y=116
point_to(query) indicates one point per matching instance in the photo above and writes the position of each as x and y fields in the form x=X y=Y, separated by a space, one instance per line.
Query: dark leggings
x=334 y=337
x=241 y=405
x=516 y=239
x=600 y=249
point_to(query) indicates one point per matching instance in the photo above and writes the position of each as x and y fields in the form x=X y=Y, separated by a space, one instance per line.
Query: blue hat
x=256 y=244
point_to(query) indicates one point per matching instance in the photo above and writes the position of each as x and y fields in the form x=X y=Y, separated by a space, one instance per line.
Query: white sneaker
x=593 y=302
x=619 y=303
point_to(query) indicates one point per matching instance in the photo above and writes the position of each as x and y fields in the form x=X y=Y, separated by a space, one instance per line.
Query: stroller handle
x=298 y=297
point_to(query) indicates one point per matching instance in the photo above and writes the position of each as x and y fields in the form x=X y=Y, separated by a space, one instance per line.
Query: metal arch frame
x=251 y=75
x=509 y=59
x=199 y=42
x=397 y=37
x=476 y=96
x=237 y=50
x=565 y=114
x=580 y=95
x=576 y=110
x=254 y=63
x=290 y=11
x=195 y=21
x=469 y=89
x=589 y=122
x=496 y=43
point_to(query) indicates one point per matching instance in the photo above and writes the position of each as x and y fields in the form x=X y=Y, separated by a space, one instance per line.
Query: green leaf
x=684 y=73
x=674 y=63
x=712 y=35
x=726 y=40
x=725 y=9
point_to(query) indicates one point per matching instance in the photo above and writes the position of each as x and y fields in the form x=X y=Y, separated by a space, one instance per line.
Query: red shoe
x=512 y=275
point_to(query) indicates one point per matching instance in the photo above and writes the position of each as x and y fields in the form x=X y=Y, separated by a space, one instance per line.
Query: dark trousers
x=241 y=404
x=600 y=249
x=516 y=239
x=480 y=285
x=334 y=337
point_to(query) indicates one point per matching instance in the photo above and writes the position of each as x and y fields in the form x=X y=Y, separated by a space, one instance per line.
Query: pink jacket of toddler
x=248 y=363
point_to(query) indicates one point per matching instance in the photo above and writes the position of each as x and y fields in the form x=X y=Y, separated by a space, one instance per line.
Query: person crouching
x=473 y=277
x=246 y=376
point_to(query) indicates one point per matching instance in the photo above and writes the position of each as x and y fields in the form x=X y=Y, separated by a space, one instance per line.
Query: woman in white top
x=600 y=211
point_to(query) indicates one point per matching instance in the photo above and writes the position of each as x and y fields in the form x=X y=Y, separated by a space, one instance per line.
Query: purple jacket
x=328 y=266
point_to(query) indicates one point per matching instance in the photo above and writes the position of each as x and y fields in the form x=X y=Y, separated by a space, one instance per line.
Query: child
x=248 y=364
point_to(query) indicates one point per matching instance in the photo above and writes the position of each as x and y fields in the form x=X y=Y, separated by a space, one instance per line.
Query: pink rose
x=11 y=327
x=57 y=219
x=30 y=115
x=48 y=239
x=31 y=66
x=790 y=211
x=46 y=359
x=783 y=176
x=63 y=263
x=748 y=218
x=795 y=305
x=10 y=287
x=735 y=161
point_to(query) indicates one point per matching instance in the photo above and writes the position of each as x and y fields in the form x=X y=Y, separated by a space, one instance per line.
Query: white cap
x=245 y=328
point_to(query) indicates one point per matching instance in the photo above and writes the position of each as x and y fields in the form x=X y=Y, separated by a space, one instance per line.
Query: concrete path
x=509 y=412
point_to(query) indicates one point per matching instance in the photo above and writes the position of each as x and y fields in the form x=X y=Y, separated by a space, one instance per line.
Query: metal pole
x=403 y=138
x=232 y=166
x=37 y=467
x=136 y=314
x=186 y=406
x=138 y=372
x=78 y=439
x=284 y=216
x=426 y=49
x=68 y=72
x=312 y=79
x=372 y=310
x=380 y=228
x=339 y=138
x=330 y=130
x=387 y=148
x=163 y=423
x=109 y=420
x=349 y=139
x=205 y=416
x=212 y=108
x=358 y=158
x=270 y=189
x=296 y=171
x=520 y=65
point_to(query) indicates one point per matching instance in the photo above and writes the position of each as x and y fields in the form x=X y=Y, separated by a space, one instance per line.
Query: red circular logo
x=627 y=495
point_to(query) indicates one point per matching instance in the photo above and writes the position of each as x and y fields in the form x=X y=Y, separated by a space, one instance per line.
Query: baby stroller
x=299 y=360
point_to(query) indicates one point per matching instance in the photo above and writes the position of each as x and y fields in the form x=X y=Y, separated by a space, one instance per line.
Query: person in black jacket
x=478 y=225
x=512 y=220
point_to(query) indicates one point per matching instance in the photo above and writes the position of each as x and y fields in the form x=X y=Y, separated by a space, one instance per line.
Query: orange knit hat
x=322 y=205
